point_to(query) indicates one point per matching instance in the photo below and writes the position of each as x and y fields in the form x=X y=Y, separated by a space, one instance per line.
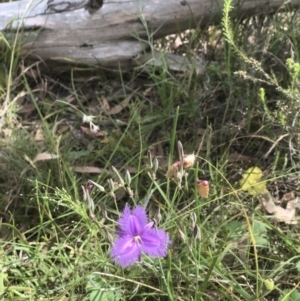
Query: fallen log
x=109 y=33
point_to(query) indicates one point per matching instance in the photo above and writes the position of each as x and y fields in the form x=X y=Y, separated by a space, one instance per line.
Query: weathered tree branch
x=113 y=33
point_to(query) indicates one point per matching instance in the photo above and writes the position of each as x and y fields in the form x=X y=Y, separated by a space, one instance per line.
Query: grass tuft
x=75 y=148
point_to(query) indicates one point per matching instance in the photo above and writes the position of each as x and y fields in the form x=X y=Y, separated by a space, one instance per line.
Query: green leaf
x=259 y=228
x=290 y=295
x=298 y=266
x=234 y=228
x=260 y=233
x=261 y=242
x=100 y=291
x=100 y=295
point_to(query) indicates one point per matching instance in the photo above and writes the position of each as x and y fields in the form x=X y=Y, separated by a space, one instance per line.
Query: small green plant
x=97 y=201
x=283 y=114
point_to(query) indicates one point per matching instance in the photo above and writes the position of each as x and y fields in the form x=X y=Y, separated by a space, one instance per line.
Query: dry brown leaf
x=123 y=104
x=107 y=140
x=147 y=91
x=26 y=109
x=201 y=131
x=280 y=214
x=91 y=169
x=287 y=197
x=105 y=103
x=131 y=170
x=29 y=161
x=20 y=97
x=236 y=157
x=20 y=101
x=90 y=133
x=70 y=99
x=39 y=135
x=88 y=169
x=44 y=157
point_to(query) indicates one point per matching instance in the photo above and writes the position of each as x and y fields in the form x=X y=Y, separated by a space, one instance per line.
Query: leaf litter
x=284 y=212
x=280 y=214
x=251 y=183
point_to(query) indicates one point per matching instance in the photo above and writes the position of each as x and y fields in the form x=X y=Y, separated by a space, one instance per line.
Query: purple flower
x=90 y=186
x=136 y=236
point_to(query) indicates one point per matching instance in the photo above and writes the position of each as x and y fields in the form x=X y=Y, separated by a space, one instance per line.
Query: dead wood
x=112 y=33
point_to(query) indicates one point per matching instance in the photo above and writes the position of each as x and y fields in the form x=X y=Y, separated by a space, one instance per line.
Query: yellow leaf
x=250 y=181
x=252 y=174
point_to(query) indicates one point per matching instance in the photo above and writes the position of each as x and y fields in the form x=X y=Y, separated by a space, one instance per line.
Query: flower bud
x=188 y=160
x=202 y=187
x=149 y=159
x=173 y=170
x=90 y=186
x=100 y=187
x=197 y=233
x=121 y=181
x=155 y=164
x=127 y=177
